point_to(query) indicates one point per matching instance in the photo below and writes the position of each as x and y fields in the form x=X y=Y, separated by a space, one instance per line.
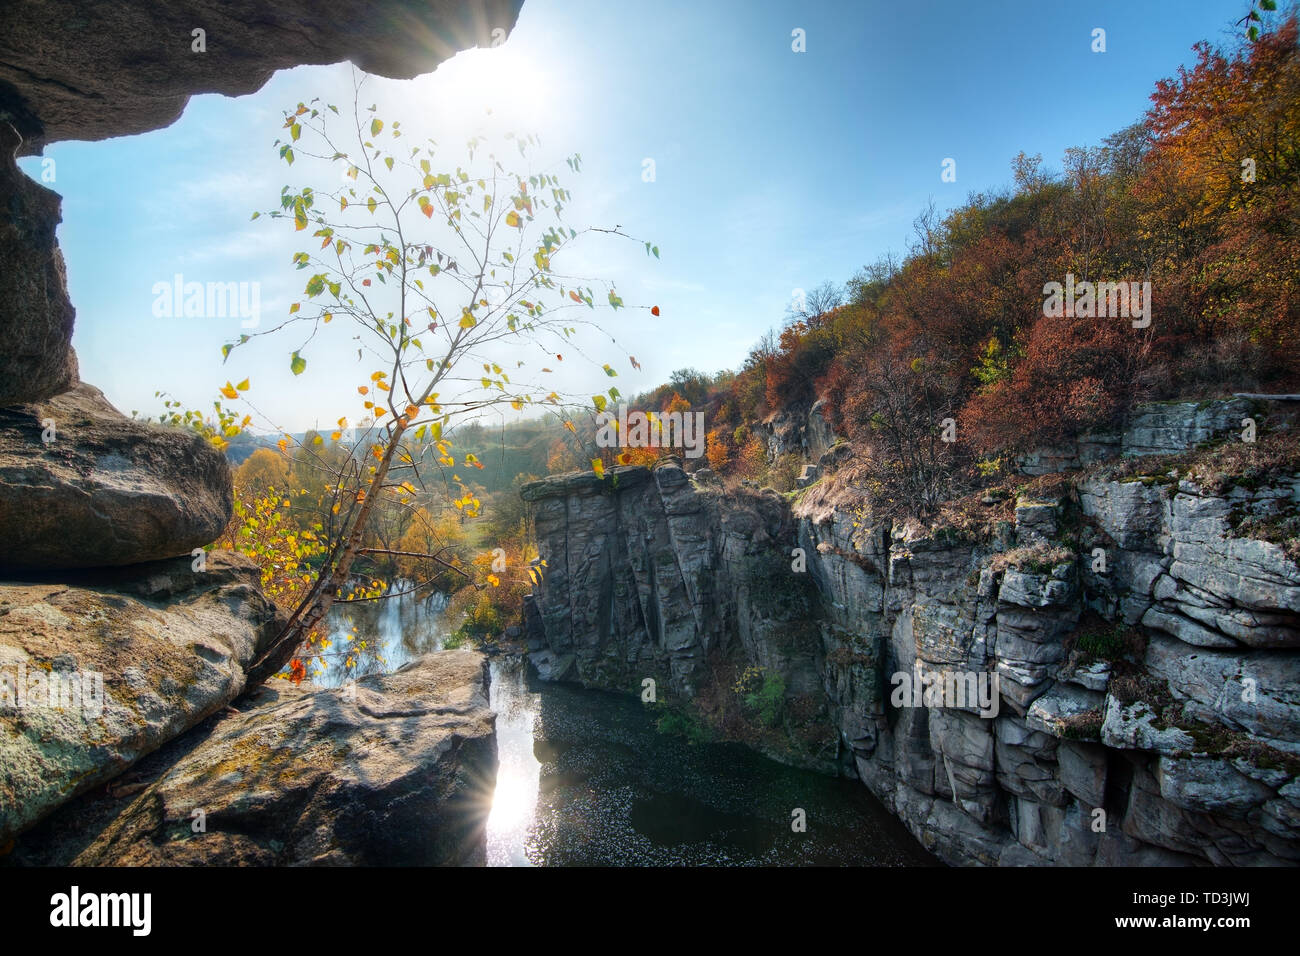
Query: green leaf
x=295 y=130
x=376 y=125
x=298 y=364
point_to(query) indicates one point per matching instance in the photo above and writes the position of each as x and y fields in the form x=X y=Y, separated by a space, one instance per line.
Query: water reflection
x=394 y=630
x=514 y=805
x=585 y=779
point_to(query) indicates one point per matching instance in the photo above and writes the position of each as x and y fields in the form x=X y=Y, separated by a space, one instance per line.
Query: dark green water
x=585 y=779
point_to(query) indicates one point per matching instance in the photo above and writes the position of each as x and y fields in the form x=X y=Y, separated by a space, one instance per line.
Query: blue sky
x=775 y=170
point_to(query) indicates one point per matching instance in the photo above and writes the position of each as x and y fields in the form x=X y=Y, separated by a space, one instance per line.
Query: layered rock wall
x=1145 y=648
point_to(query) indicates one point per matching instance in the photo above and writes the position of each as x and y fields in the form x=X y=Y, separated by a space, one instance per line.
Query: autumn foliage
x=1200 y=197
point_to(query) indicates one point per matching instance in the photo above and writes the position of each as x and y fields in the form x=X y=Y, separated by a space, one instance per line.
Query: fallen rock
x=93 y=677
x=106 y=490
x=398 y=770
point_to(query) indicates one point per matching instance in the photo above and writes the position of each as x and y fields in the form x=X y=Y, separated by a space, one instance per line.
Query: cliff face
x=652 y=575
x=1139 y=644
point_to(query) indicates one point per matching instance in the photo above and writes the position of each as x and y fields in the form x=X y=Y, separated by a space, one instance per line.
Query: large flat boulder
x=94 y=676
x=106 y=490
x=36 y=315
x=398 y=769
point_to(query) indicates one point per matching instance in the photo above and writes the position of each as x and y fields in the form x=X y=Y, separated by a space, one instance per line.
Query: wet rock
x=106 y=490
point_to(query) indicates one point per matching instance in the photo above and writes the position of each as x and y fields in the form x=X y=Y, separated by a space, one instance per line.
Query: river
x=584 y=778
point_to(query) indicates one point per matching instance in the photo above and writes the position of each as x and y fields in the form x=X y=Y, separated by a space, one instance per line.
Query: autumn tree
x=264 y=469
x=436 y=267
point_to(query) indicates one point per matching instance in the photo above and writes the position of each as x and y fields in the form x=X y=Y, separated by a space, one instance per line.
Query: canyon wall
x=1145 y=646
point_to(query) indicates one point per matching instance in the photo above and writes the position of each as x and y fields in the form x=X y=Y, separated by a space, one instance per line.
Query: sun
x=498 y=89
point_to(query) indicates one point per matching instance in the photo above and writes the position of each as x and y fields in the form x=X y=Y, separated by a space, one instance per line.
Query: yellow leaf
x=512 y=219
x=598 y=467
x=228 y=390
x=243 y=386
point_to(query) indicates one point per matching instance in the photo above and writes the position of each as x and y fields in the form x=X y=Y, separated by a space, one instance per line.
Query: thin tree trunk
x=318 y=604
